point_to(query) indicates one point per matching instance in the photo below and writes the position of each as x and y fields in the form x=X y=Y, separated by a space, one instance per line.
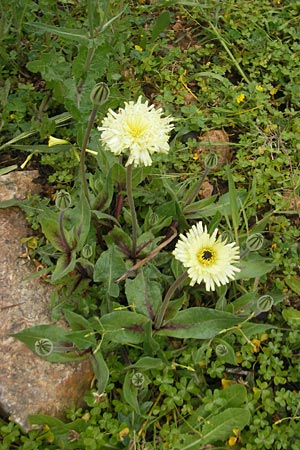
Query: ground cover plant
x=168 y=136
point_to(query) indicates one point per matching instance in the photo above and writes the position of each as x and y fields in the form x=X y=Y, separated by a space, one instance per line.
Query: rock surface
x=28 y=384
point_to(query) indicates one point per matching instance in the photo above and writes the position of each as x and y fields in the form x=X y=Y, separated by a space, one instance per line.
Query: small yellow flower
x=55 y=141
x=233 y=439
x=273 y=91
x=206 y=257
x=259 y=88
x=256 y=345
x=226 y=383
x=138 y=48
x=240 y=98
x=123 y=433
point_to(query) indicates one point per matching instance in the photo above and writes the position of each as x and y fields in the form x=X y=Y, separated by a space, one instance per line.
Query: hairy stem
x=164 y=306
x=83 y=152
x=194 y=193
x=134 y=223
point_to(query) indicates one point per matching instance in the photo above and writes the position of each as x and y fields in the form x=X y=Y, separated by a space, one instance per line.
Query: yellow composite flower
x=137 y=130
x=206 y=257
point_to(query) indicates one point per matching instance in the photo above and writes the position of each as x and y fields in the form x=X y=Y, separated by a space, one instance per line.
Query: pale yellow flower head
x=137 y=130
x=206 y=257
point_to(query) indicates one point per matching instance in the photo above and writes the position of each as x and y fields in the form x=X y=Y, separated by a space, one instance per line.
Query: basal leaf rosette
x=208 y=258
x=138 y=130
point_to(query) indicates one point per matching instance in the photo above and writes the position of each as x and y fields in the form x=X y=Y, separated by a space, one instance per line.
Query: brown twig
x=148 y=258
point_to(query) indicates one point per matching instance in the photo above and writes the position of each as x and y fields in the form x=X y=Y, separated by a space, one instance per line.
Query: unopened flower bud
x=254 y=242
x=138 y=380
x=99 y=94
x=87 y=251
x=265 y=303
x=221 y=350
x=52 y=141
x=63 y=200
x=43 y=347
x=211 y=161
x=227 y=236
x=153 y=218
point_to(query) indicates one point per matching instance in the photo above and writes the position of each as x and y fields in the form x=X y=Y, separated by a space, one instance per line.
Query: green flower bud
x=63 y=200
x=221 y=350
x=153 y=218
x=138 y=379
x=99 y=94
x=211 y=160
x=265 y=303
x=87 y=251
x=43 y=347
x=227 y=236
x=254 y=242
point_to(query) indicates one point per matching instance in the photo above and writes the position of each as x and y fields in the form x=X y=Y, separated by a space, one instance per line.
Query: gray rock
x=28 y=384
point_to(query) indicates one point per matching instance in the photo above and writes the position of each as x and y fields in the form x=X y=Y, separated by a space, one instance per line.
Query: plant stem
x=83 y=151
x=193 y=194
x=134 y=223
x=164 y=306
x=225 y=46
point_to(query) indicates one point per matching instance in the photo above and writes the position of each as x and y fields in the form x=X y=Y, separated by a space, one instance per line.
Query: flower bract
x=207 y=258
x=137 y=129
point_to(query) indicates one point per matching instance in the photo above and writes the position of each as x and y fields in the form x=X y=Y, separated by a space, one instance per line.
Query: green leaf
x=119 y=237
x=76 y=321
x=254 y=266
x=123 y=327
x=63 y=350
x=294 y=284
x=151 y=346
x=219 y=427
x=194 y=210
x=51 y=65
x=49 y=221
x=108 y=268
x=58 y=430
x=9 y=203
x=234 y=200
x=160 y=24
x=291 y=315
x=235 y=395
x=215 y=76
x=198 y=323
x=82 y=339
x=8 y=169
x=101 y=371
x=81 y=217
x=143 y=294
x=174 y=306
x=147 y=363
x=254 y=329
x=73 y=34
x=130 y=393
x=223 y=206
x=230 y=356
x=64 y=265
x=101 y=216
